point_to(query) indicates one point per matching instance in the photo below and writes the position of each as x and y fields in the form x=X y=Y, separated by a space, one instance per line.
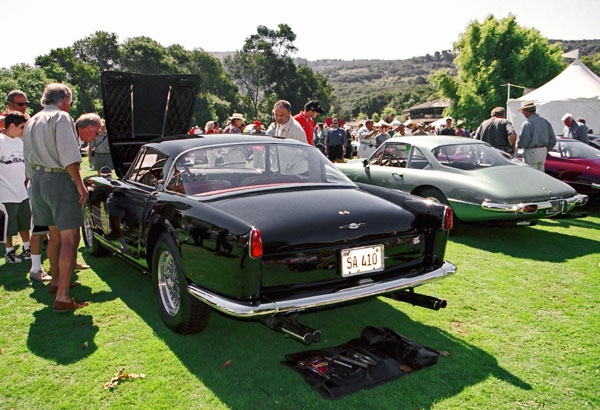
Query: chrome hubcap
x=168 y=283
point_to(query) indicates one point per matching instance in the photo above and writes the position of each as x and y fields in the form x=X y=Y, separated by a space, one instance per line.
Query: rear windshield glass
x=574 y=149
x=240 y=167
x=469 y=156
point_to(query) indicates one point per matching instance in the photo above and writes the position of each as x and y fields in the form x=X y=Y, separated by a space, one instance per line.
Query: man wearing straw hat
x=537 y=137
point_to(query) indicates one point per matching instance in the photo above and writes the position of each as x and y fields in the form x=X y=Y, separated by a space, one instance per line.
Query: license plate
x=357 y=261
x=557 y=207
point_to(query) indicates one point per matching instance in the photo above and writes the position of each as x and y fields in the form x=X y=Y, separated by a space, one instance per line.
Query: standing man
x=448 y=130
x=574 y=129
x=13 y=194
x=237 y=120
x=287 y=126
x=366 y=140
x=537 y=136
x=383 y=134
x=420 y=129
x=306 y=118
x=498 y=132
x=52 y=158
x=257 y=128
x=400 y=131
x=336 y=142
x=92 y=130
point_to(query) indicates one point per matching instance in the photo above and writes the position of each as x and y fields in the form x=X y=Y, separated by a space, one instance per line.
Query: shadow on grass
x=66 y=337
x=530 y=242
x=239 y=361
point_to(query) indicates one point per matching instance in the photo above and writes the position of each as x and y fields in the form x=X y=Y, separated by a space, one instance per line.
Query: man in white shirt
x=287 y=126
x=13 y=194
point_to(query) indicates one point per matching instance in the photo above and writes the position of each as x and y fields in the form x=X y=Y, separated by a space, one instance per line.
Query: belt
x=537 y=146
x=46 y=169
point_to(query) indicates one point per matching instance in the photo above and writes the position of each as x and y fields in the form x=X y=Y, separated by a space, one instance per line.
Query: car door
x=132 y=199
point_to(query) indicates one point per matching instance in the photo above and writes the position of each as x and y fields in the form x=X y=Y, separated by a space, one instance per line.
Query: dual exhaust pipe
x=429 y=302
x=288 y=325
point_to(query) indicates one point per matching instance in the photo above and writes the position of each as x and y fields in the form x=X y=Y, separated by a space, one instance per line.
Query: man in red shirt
x=305 y=118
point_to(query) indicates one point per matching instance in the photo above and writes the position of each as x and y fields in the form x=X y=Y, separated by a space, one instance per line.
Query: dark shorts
x=54 y=201
x=335 y=152
x=19 y=217
x=102 y=160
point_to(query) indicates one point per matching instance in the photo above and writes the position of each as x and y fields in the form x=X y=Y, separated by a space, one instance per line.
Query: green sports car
x=479 y=182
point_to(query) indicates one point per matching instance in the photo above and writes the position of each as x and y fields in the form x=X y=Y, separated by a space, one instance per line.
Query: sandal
x=54 y=289
x=64 y=307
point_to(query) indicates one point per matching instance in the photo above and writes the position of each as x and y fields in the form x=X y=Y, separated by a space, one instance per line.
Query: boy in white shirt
x=13 y=193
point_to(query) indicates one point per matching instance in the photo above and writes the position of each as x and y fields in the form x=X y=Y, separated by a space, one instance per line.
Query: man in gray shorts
x=52 y=158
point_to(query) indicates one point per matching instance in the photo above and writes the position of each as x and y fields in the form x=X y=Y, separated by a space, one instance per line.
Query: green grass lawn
x=522 y=328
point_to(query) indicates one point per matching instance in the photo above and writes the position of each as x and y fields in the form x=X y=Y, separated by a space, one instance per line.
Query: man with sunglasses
x=92 y=130
x=16 y=100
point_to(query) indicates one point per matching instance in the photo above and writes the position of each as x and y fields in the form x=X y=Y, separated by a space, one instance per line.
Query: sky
x=346 y=30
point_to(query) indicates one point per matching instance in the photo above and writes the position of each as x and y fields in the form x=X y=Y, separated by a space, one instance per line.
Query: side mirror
x=106 y=172
x=365 y=163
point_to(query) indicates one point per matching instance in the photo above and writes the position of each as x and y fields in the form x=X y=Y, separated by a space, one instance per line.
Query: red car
x=575 y=163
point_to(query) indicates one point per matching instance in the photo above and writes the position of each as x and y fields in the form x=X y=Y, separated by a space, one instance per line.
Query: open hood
x=141 y=107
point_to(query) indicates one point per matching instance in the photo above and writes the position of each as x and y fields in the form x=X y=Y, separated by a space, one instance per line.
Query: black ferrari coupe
x=252 y=226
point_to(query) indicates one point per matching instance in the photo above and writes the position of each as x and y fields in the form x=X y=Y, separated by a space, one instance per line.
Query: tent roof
x=576 y=81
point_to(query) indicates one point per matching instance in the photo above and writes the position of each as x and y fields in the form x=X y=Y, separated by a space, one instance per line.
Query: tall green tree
x=592 y=62
x=265 y=72
x=30 y=80
x=490 y=54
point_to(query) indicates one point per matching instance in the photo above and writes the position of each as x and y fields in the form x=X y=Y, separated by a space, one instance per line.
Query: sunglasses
x=21 y=103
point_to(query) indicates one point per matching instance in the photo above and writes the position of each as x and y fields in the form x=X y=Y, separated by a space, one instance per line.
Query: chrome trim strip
x=595 y=185
x=240 y=309
x=570 y=202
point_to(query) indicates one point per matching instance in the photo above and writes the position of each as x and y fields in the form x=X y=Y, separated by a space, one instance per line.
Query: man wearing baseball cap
x=305 y=118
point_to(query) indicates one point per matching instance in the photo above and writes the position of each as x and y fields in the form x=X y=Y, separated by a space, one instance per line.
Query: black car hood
x=141 y=107
x=287 y=220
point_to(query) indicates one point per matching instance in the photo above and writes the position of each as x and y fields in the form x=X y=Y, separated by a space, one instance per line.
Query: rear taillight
x=530 y=209
x=255 y=245
x=448 y=218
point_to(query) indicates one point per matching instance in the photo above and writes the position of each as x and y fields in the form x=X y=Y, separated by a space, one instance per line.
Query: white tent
x=576 y=90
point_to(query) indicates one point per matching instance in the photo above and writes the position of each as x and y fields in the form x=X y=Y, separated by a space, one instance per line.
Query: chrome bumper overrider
x=269 y=308
x=570 y=203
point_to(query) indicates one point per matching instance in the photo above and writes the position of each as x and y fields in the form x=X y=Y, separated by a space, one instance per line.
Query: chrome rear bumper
x=368 y=289
x=521 y=207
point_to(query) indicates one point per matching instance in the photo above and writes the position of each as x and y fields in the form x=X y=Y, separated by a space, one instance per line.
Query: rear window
x=241 y=167
x=469 y=156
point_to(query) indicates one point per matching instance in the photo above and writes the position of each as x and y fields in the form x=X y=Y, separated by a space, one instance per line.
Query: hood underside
x=142 y=107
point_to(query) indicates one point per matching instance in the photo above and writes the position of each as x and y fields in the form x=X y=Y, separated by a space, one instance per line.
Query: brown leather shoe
x=54 y=289
x=81 y=266
x=64 y=307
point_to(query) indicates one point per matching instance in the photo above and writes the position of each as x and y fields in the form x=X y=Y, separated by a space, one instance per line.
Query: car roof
x=432 y=141
x=179 y=143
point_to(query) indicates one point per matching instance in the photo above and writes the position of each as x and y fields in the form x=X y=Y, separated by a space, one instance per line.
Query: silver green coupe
x=479 y=182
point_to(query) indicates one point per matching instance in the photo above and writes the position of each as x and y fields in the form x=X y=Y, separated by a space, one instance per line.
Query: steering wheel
x=389 y=159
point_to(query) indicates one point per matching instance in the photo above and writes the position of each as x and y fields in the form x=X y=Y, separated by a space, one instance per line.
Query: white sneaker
x=12 y=257
x=39 y=276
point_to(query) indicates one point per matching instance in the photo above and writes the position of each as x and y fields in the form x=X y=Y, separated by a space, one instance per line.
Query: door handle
x=396 y=175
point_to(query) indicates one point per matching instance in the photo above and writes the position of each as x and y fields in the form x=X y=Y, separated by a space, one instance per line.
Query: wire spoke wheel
x=168 y=283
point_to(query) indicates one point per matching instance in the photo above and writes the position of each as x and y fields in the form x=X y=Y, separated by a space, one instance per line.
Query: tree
x=490 y=54
x=592 y=62
x=265 y=72
x=28 y=79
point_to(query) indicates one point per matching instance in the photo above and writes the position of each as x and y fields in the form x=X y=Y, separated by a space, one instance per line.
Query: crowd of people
x=42 y=192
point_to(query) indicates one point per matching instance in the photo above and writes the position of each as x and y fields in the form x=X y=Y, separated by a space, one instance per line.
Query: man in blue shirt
x=574 y=129
x=336 y=141
x=537 y=137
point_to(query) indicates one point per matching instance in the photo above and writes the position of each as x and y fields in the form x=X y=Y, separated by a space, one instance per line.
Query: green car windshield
x=241 y=167
x=469 y=156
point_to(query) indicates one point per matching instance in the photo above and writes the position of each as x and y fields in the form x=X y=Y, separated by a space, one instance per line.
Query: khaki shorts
x=19 y=217
x=54 y=200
